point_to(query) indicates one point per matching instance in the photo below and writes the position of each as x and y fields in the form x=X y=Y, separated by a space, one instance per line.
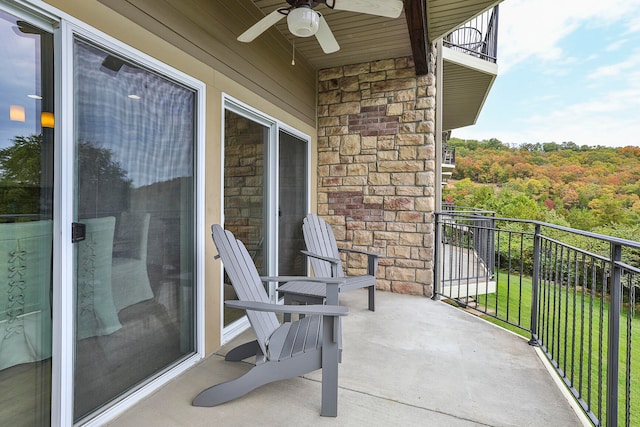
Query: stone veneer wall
x=376 y=168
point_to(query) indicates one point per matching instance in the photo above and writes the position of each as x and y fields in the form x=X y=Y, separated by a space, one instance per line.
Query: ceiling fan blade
x=325 y=37
x=261 y=26
x=388 y=8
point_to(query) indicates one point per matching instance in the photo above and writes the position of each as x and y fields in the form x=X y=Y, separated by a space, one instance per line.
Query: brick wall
x=376 y=168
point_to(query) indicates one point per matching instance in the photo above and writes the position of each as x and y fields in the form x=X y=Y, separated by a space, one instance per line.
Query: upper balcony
x=448 y=161
x=469 y=69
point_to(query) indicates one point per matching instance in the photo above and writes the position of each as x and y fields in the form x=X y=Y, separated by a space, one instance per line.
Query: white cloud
x=526 y=32
x=619 y=69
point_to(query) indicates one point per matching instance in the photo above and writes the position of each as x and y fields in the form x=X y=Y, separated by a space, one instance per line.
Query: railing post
x=535 y=286
x=436 y=257
x=613 y=344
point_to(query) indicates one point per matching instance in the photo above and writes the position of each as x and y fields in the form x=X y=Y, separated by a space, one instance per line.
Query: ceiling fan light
x=303 y=21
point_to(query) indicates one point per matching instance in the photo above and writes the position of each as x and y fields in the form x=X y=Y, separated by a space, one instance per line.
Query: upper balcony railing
x=448 y=154
x=478 y=37
x=575 y=293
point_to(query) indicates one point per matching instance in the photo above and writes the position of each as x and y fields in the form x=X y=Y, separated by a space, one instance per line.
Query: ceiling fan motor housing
x=303 y=21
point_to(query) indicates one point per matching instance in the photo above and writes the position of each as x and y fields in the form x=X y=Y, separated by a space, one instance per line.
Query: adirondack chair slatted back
x=320 y=240
x=246 y=282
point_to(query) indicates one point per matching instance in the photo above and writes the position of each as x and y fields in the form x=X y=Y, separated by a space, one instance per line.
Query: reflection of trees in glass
x=20 y=174
x=103 y=187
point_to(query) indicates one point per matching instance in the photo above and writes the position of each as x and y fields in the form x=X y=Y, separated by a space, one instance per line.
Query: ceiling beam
x=415 y=11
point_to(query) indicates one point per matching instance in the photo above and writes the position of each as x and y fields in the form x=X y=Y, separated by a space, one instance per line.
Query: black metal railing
x=573 y=292
x=478 y=37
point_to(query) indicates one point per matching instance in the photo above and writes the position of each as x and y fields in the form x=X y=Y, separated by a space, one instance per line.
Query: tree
x=20 y=162
x=20 y=176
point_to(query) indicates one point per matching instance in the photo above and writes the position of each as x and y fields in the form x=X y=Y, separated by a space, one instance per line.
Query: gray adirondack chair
x=324 y=255
x=284 y=350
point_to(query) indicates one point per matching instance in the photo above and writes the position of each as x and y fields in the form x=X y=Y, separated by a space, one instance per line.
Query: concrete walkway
x=414 y=362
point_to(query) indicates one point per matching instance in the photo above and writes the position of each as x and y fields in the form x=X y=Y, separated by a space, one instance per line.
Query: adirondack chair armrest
x=327 y=280
x=322 y=310
x=333 y=261
x=358 y=251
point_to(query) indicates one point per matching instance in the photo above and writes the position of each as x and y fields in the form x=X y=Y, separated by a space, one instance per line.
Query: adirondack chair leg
x=330 y=357
x=258 y=376
x=243 y=351
x=288 y=300
x=372 y=298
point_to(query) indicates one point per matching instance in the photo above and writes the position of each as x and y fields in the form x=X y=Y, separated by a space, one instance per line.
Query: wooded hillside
x=589 y=188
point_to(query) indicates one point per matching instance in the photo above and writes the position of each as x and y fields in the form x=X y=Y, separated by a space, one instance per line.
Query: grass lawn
x=571 y=330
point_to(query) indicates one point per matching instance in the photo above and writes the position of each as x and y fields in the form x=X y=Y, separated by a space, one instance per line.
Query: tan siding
x=207 y=30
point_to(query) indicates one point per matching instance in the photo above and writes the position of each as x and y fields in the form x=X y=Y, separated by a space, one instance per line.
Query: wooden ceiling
x=364 y=38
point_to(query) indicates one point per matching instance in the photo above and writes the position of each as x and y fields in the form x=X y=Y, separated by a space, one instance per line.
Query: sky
x=568 y=70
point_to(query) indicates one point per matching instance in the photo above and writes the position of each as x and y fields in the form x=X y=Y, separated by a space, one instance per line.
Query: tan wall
x=376 y=167
x=104 y=19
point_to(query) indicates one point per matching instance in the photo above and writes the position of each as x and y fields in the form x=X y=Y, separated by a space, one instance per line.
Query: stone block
x=381 y=190
x=399 y=203
x=330 y=73
x=329 y=97
x=410 y=239
x=344 y=108
x=395 y=109
x=328 y=121
x=403 y=178
x=357 y=169
x=357 y=69
x=408 y=153
x=383 y=65
x=362 y=238
x=372 y=77
x=408 y=116
x=350 y=145
x=410 y=139
x=328 y=157
x=393 y=85
x=405 y=95
x=425 y=126
x=355 y=180
x=350 y=84
x=388 y=155
x=401 y=166
x=351 y=96
x=398 y=252
x=409 y=191
x=425 y=179
x=368 y=142
x=399 y=273
x=407 y=288
x=337 y=170
x=410 y=216
x=425 y=204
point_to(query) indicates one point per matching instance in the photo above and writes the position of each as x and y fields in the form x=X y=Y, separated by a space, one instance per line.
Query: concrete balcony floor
x=414 y=362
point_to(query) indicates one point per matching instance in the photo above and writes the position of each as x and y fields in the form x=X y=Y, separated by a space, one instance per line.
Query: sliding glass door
x=26 y=221
x=134 y=144
x=293 y=182
x=266 y=183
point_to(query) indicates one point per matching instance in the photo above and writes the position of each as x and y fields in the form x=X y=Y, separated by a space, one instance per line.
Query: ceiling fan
x=304 y=21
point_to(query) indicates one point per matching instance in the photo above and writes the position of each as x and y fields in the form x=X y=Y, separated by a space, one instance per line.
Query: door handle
x=78 y=232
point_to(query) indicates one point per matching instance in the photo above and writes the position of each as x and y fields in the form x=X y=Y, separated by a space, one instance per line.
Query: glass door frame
x=229 y=103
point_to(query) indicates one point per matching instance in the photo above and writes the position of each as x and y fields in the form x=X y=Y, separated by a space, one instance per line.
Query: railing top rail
x=603 y=237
